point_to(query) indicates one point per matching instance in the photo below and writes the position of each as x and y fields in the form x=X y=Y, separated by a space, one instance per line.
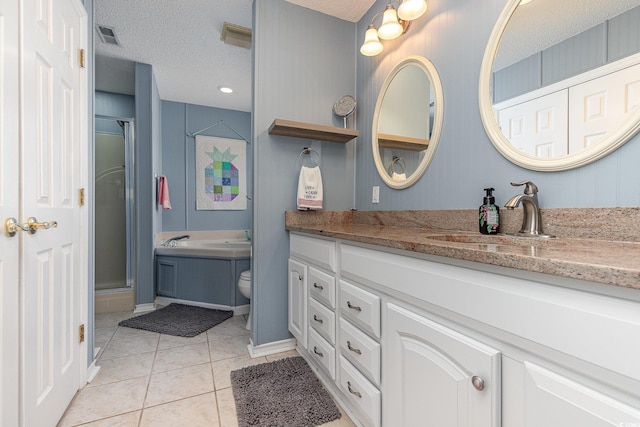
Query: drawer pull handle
x=355 y=393
x=477 y=382
x=315 y=285
x=355 y=350
x=318 y=320
x=315 y=350
x=353 y=307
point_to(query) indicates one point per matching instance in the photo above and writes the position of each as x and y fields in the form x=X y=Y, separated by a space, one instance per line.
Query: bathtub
x=219 y=248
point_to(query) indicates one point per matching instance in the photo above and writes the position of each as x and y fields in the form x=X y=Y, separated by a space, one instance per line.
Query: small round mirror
x=407 y=122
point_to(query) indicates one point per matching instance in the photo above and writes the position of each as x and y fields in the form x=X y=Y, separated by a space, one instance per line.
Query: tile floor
x=150 y=379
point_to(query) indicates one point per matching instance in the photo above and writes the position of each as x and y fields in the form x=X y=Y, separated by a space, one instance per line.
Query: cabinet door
x=298 y=301
x=429 y=372
x=553 y=400
x=166 y=277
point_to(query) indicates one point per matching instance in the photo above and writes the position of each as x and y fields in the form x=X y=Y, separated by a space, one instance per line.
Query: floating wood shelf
x=386 y=140
x=311 y=131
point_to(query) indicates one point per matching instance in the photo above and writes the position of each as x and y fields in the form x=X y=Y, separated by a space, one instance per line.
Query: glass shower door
x=112 y=206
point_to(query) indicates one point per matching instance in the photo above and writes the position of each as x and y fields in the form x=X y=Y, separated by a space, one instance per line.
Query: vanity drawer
x=315 y=251
x=322 y=320
x=361 y=350
x=322 y=352
x=364 y=395
x=361 y=307
x=322 y=286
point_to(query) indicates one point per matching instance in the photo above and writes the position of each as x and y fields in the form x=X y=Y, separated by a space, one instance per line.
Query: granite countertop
x=599 y=256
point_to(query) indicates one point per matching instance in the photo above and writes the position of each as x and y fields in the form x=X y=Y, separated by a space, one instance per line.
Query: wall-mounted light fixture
x=394 y=24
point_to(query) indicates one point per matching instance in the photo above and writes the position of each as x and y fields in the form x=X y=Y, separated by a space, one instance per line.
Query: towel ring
x=398 y=165
x=309 y=151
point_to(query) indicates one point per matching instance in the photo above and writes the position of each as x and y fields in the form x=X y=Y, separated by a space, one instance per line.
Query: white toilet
x=244 y=285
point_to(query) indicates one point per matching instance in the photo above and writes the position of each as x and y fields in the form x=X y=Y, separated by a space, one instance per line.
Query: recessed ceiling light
x=225 y=89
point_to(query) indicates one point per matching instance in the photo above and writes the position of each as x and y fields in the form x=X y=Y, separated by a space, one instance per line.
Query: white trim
x=601 y=71
x=271 y=348
x=92 y=371
x=143 y=308
x=237 y=310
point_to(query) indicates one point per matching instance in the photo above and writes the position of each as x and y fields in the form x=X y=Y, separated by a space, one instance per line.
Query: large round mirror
x=407 y=122
x=559 y=84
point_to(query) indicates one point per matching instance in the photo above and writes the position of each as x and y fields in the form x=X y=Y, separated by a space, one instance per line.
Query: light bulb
x=412 y=9
x=390 y=28
x=371 y=45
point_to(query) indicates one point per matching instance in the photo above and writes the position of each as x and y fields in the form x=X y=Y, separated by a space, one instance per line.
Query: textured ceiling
x=349 y=10
x=181 y=40
x=543 y=23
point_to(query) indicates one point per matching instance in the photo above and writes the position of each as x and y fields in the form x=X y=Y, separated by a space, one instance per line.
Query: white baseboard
x=241 y=309
x=143 y=308
x=271 y=348
x=92 y=371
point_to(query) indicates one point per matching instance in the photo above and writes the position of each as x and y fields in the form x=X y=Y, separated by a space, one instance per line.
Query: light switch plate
x=375 y=195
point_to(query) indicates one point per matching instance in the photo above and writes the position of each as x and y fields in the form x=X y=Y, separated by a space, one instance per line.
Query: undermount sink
x=488 y=239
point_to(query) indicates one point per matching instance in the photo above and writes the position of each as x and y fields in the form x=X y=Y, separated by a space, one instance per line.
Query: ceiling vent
x=235 y=35
x=107 y=35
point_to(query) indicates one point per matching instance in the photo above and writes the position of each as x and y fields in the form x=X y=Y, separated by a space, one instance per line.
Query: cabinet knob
x=477 y=382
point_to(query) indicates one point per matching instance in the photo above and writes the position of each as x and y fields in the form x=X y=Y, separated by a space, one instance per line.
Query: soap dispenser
x=489 y=214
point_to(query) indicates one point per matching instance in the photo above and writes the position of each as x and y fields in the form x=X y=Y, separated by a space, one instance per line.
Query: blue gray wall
x=303 y=63
x=453 y=35
x=148 y=161
x=178 y=155
x=605 y=43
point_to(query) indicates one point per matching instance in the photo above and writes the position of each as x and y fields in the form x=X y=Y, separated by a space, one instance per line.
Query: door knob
x=33 y=225
x=12 y=226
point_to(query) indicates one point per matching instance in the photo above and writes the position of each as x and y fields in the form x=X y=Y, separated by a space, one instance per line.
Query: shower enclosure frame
x=128 y=130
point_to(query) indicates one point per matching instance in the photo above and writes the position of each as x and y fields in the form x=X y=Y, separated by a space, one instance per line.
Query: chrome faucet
x=531 y=223
x=171 y=242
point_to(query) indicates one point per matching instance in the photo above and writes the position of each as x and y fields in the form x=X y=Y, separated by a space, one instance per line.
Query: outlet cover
x=375 y=194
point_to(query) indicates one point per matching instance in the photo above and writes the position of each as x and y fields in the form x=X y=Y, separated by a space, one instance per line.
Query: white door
x=43 y=274
x=600 y=106
x=553 y=400
x=537 y=127
x=9 y=199
x=434 y=376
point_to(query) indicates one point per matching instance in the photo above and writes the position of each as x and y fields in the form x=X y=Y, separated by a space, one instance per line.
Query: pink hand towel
x=163 y=192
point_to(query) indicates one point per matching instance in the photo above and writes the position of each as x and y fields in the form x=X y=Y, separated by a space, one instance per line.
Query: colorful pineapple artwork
x=221 y=176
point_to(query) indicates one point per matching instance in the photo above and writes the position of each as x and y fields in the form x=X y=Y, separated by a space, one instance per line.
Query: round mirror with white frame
x=546 y=101
x=407 y=122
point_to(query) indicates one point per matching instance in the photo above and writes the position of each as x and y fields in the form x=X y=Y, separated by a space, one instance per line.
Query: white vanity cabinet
x=312 y=318
x=435 y=376
x=428 y=341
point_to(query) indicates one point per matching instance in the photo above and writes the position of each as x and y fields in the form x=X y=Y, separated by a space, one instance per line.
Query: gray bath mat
x=281 y=393
x=179 y=320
